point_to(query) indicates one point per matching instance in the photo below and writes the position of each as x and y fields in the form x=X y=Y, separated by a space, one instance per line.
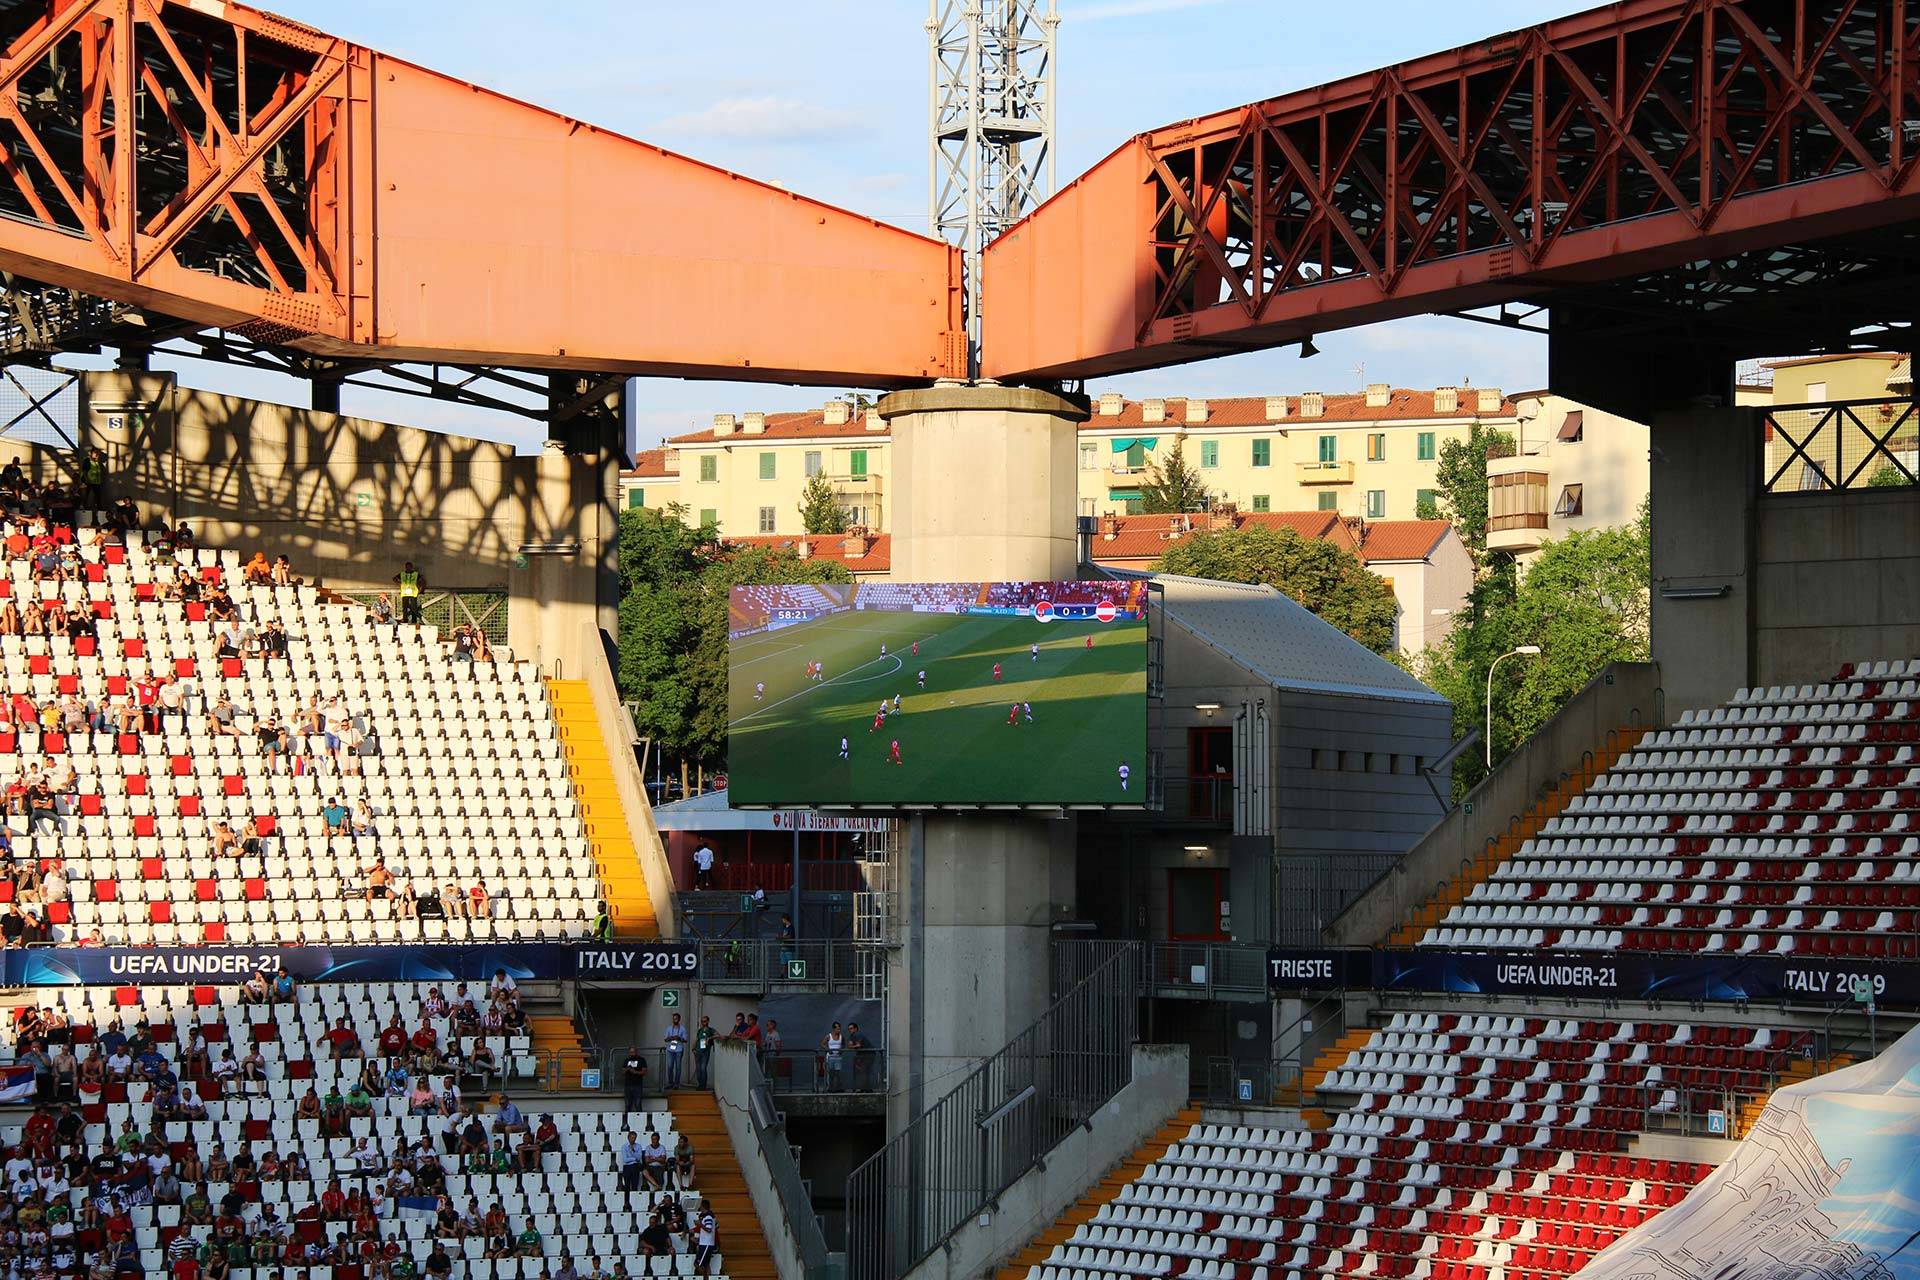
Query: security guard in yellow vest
x=409 y=580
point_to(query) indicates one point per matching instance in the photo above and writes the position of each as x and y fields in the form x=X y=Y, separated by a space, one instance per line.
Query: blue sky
x=828 y=97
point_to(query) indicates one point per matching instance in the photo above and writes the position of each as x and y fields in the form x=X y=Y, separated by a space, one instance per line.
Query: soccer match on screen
x=956 y=693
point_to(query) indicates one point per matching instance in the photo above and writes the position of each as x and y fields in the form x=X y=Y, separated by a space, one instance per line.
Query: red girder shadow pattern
x=1600 y=147
x=230 y=168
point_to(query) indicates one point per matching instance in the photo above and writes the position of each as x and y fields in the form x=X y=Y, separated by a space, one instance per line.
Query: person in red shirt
x=996 y=671
x=393 y=1040
x=333 y=1201
x=426 y=1045
x=893 y=752
x=343 y=1040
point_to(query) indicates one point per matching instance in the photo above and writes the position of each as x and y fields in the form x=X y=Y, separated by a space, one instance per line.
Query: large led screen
x=950 y=693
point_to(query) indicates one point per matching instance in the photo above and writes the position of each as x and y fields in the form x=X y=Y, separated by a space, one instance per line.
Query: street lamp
x=1531 y=650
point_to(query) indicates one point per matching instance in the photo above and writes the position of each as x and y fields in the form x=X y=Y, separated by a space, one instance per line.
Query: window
x=1376 y=446
x=1136 y=457
x=709 y=468
x=1209 y=772
x=1262 y=453
x=1426 y=500
x=709 y=516
x=1570 y=501
x=857 y=463
x=767 y=466
x=1573 y=427
x=814 y=465
x=1329 y=502
x=1423 y=445
x=766 y=519
x=1089 y=457
x=636 y=498
x=1329 y=449
x=1262 y=502
x=1376 y=504
x=1209 y=453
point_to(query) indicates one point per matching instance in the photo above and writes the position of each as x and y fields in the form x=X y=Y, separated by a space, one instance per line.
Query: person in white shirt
x=706 y=1238
x=703 y=867
x=1125 y=773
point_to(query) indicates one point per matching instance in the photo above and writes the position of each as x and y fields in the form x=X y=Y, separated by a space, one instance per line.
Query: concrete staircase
x=1521 y=829
x=1798 y=1071
x=556 y=1039
x=1316 y=1072
x=591 y=770
x=743 y=1243
x=1098 y=1195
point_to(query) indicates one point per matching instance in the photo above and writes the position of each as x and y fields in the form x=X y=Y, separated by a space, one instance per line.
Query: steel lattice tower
x=990 y=124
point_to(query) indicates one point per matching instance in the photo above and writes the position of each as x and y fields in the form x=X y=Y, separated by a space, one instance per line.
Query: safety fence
x=972 y=1144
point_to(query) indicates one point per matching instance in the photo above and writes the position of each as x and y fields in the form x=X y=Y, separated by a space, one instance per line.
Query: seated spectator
x=283 y=987
x=220 y=720
x=343 y=1041
x=283 y=575
x=334 y=813
x=257 y=571
x=256 y=989
x=379 y=880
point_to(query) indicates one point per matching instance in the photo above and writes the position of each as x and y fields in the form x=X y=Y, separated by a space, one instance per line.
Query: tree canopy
x=675 y=581
x=820 y=509
x=1328 y=580
x=1173 y=485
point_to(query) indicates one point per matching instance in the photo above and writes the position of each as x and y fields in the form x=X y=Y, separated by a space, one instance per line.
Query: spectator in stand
x=406 y=903
x=634 y=1079
x=343 y=1041
x=703 y=1038
x=703 y=868
x=379 y=880
x=676 y=1040
x=632 y=1156
x=479 y=905
x=283 y=575
x=283 y=987
x=220 y=719
x=256 y=989
x=335 y=813
x=257 y=571
x=706 y=1239
x=383 y=611
x=410 y=583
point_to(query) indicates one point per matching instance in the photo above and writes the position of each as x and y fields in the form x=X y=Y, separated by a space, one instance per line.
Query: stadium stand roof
x=1267 y=633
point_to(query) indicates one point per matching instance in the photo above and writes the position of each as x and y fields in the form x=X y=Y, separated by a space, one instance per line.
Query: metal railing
x=768 y=964
x=796 y=1200
x=817 y=1071
x=1196 y=970
x=482 y=608
x=957 y=1157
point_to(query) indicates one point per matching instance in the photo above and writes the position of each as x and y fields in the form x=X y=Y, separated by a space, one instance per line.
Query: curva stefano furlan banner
x=158 y=966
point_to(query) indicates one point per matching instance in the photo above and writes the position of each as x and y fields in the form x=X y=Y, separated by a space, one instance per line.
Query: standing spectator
x=409 y=582
x=703 y=1037
x=676 y=1051
x=703 y=868
x=706 y=1238
x=831 y=1046
x=862 y=1050
x=634 y=1079
x=93 y=475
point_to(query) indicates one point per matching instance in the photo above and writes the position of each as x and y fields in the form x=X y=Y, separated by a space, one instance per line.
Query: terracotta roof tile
x=809 y=424
x=1144 y=537
x=1402 y=539
x=650 y=464
x=877 y=557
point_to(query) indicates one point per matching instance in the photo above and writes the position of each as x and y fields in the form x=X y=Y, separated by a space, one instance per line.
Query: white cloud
x=1134 y=8
x=764 y=118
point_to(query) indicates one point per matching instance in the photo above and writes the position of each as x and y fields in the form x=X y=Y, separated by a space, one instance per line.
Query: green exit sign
x=670 y=998
x=796 y=970
x=362 y=499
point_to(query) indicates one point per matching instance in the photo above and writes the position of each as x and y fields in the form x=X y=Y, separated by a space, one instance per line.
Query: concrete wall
x=349 y=500
x=730 y=1086
x=1809 y=580
x=1157 y=1092
x=1624 y=694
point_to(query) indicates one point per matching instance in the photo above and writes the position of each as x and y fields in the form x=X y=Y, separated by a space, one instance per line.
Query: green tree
x=1583 y=600
x=820 y=510
x=675 y=581
x=1887 y=476
x=1460 y=483
x=1173 y=485
x=1328 y=580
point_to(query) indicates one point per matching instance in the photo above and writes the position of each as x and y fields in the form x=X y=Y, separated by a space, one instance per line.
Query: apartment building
x=1369 y=455
x=1571 y=467
x=1840 y=421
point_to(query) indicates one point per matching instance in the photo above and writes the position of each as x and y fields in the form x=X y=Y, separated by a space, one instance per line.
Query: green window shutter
x=1209 y=453
x=1136 y=455
x=857 y=463
x=709 y=467
x=1376 y=504
x=768 y=464
x=1329 y=449
x=636 y=498
x=1262 y=453
x=709 y=515
x=1426 y=446
x=1261 y=502
x=1329 y=502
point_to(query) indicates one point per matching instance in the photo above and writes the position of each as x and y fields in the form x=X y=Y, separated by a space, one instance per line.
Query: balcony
x=1123 y=476
x=850 y=486
x=1323 y=472
x=1517 y=503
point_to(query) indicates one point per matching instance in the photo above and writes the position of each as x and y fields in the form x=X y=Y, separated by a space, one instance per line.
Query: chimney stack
x=1223 y=515
x=1446 y=399
x=1312 y=404
x=855 y=544
x=1276 y=408
x=1153 y=411
x=1378 y=393
x=1196 y=410
x=754 y=424
x=1111 y=402
x=836 y=413
x=671 y=461
x=874 y=422
x=1490 y=400
x=1109 y=526
x=723 y=424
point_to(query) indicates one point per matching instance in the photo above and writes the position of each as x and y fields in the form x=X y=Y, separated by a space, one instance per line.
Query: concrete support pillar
x=985 y=488
x=1702 y=486
x=556 y=600
x=985 y=480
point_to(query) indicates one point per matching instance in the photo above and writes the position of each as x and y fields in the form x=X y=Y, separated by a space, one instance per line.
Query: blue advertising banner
x=136 y=966
x=1618 y=975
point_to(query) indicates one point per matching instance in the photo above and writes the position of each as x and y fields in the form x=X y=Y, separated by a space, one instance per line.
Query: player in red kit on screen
x=996 y=671
x=893 y=753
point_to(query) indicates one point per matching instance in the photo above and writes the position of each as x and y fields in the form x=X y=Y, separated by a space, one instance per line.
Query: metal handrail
x=796 y=1200
x=957 y=1157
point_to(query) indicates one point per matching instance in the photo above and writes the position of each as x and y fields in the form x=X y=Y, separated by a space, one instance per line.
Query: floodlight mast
x=990 y=132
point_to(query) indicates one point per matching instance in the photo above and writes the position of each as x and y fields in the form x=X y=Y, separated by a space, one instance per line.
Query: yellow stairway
x=743 y=1242
x=557 y=1040
x=1098 y=1196
x=591 y=770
